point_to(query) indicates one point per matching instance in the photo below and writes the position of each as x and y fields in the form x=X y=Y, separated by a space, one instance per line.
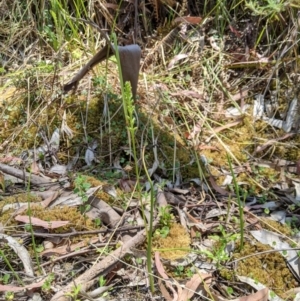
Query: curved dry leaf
x=216 y=187
x=291 y=118
x=163 y=274
x=38 y=222
x=159 y=266
x=261 y=295
x=190 y=20
x=47 y=201
x=12 y=288
x=192 y=286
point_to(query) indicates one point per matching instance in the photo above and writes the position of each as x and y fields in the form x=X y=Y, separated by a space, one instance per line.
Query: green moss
x=175 y=245
x=227 y=274
x=6 y=216
x=101 y=194
x=63 y=213
x=60 y=213
x=270 y=268
x=270 y=225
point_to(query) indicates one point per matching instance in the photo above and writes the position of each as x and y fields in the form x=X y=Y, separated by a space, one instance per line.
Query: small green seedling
x=163 y=232
x=74 y=293
x=102 y=281
x=9 y=296
x=5 y=279
x=179 y=270
x=81 y=188
x=165 y=216
x=47 y=284
x=97 y=222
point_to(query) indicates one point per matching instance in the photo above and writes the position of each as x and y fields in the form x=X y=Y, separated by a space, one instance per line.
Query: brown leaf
x=35 y=168
x=38 y=222
x=227 y=126
x=164 y=291
x=12 y=288
x=163 y=274
x=221 y=128
x=160 y=267
x=260 y=148
x=216 y=187
x=192 y=285
x=190 y=20
x=261 y=295
x=235 y=31
x=11 y=160
x=46 y=202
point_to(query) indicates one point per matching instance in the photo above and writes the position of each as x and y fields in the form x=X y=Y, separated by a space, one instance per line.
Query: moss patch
x=175 y=245
x=270 y=268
